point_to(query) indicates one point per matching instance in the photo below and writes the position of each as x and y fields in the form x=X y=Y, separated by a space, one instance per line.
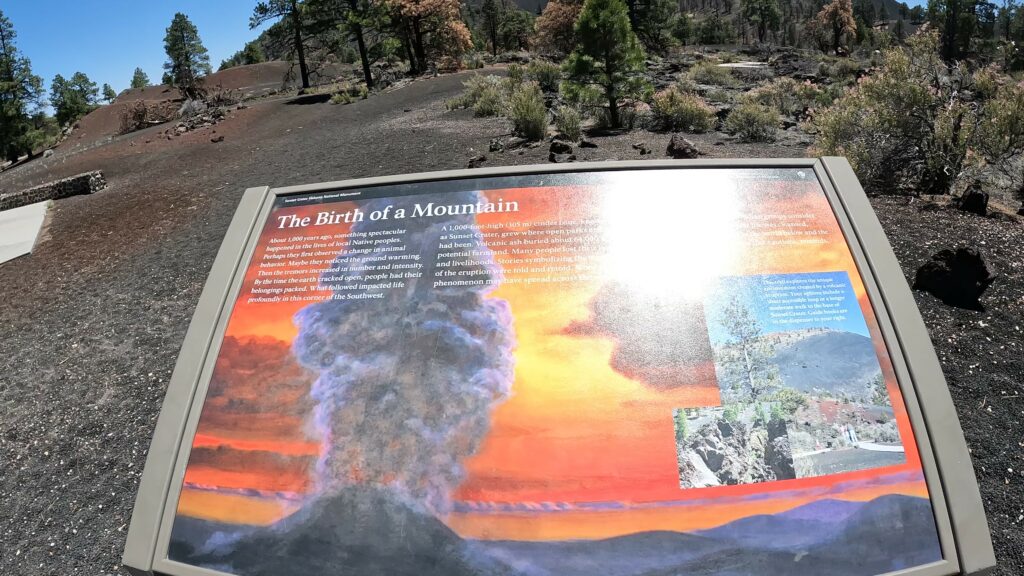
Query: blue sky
x=107 y=39
x=839 y=308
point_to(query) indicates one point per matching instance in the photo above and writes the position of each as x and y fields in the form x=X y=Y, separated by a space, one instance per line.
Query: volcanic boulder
x=559 y=147
x=957 y=277
x=778 y=456
x=681 y=148
x=974 y=201
x=730 y=451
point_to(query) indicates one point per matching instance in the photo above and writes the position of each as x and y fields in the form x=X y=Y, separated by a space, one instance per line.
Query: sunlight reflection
x=670 y=234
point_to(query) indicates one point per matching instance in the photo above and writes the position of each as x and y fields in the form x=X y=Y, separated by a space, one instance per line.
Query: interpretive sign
x=620 y=369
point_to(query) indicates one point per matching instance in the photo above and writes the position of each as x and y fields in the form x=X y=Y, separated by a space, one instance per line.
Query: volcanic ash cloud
x=407 y=382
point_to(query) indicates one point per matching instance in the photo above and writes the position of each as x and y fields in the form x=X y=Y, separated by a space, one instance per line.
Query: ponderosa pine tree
x=515 y=29
x=187 y=59
x=72 y=99
x=21 y=96
x=653 y=21
x=682 y=28
x=492 y=13
x=607 y=56
x=360 y=17
x=251 y=53
x=763 y=14
x=140 y=79
x=108 y=93
x=290 y=13
x=747 y=361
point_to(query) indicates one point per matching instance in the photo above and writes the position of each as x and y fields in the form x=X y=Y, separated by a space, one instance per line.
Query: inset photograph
x=800 y=383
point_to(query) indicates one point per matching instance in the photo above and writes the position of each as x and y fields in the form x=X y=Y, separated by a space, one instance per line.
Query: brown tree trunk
x=406 y=35
x=949 y=47
x=357 y=31
x=299 y=48
x=417 y=44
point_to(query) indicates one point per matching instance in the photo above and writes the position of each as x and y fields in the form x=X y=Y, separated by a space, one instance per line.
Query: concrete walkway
x=19 y=229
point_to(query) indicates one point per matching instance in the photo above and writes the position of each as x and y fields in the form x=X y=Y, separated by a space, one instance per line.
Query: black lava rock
x=559 y=147
x=958 y=277
x=975 y=201
x=642 y=148
x=476 y=161
x=681 y=148
x=561 y=158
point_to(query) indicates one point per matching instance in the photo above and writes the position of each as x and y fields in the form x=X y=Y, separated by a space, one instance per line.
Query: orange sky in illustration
x=574 y=430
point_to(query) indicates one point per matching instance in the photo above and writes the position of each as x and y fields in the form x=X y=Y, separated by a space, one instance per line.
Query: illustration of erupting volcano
x=435 y=409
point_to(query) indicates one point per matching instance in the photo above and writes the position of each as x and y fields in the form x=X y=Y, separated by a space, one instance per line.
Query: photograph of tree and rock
x=802 y=389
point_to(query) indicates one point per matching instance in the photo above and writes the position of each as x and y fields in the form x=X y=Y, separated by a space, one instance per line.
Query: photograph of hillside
x=802 y=387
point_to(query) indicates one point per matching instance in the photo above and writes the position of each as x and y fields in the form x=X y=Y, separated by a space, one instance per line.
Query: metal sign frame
x=960 y=519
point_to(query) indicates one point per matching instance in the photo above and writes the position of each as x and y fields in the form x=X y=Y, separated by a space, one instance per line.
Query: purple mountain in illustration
x=825 y=538
x=829 y=537
x=793 y=529
x=828 y=511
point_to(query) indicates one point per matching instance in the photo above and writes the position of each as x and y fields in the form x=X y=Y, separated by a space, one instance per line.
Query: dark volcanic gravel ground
x=982 y=353
x=91 y=323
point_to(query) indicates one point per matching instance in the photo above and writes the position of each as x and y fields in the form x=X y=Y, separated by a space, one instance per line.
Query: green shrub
x=839 y=68
x=786 y=95
x=347 y=54
x=631 y=115
x=340 y=98
x=490 y=102
x=753 y=74
x=686 y=84
x=568 y=122
x=677 y=110
x=473 y=61
x=547 y=74
x=711 y=73
x=727 y=57
x=753 y=122
x=789 y=400
x=516 y=73
x=730 y=414
x=719 y=95
x=527 y=112
x=903 y=131
x=475 y=86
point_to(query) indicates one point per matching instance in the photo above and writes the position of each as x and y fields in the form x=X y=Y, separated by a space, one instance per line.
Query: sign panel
x=630 y=372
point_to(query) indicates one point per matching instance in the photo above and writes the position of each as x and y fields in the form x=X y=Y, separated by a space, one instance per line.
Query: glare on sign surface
x=667 y=237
